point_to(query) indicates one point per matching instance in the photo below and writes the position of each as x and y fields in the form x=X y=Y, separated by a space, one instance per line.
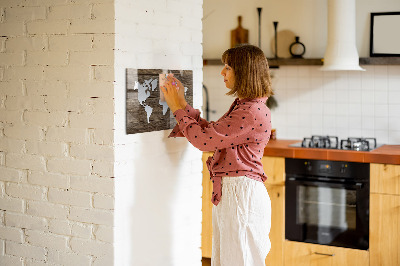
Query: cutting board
x=239 y=35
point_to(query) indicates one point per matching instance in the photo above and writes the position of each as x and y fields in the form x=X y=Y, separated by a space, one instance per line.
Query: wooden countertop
x=389 y=154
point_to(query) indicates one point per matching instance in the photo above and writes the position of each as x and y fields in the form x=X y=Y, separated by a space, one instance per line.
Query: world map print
x=146 y=109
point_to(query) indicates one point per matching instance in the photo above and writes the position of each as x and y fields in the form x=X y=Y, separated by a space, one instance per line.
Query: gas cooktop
x=332 y=142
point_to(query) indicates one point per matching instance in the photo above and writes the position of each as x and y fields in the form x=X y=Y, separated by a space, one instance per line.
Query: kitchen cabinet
x=206 y=225
x=305 y=254
x=385 y=214
x=274 y=168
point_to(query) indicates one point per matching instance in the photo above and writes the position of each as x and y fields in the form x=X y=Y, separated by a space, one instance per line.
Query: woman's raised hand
x=174 y=93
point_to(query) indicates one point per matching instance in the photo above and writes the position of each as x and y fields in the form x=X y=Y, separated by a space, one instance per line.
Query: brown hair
x=250 y=66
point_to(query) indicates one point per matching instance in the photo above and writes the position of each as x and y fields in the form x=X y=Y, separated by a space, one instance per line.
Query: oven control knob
x=343 y=168
x=308 y=166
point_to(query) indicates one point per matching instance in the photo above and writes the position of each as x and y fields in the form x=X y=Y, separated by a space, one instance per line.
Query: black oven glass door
x=327 y=213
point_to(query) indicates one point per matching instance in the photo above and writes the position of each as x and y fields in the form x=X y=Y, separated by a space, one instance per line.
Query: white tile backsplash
x=343 y=103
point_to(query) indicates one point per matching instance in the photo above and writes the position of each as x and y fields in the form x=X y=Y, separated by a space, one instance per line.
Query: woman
x=242 y=208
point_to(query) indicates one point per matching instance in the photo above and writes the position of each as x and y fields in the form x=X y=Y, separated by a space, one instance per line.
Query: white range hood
x=341 y=51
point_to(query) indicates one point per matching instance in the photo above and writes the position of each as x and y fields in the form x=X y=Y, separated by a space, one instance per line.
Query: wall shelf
x=274 y=63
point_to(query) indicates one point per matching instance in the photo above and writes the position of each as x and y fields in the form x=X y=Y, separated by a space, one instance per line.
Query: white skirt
x=241 y=223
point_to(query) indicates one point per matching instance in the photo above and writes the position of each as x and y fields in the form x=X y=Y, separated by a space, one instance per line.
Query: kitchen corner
x=382 y=192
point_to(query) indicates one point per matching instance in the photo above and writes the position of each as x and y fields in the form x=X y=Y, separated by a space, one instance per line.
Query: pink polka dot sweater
x=238 y=139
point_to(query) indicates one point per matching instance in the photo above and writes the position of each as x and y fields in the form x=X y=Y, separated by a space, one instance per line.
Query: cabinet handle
x=324 y=254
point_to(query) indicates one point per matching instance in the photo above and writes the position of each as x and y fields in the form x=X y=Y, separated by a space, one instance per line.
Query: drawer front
x=297 y=253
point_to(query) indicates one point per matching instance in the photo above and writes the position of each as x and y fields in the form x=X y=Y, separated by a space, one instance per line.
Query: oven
x=327 y=202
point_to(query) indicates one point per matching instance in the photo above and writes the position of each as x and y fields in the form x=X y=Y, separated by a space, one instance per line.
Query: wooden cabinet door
x=206 y=225
x=385 y=178
x=304 y=254
x=277 y=233
x=274 y=168
x=384 y=236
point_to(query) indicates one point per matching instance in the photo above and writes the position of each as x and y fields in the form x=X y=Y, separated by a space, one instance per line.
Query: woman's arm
x=239 y=127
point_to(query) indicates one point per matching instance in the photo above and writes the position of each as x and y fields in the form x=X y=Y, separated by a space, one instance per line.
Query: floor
x=206 y=261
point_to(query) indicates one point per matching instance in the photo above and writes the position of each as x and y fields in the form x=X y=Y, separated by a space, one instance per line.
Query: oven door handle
x=357 y=185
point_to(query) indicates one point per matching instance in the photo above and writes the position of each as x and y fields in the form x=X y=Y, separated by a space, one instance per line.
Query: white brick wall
x=156 y=177
x=56 y=132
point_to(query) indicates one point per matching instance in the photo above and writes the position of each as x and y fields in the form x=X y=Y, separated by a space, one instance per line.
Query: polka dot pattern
x=238 y=139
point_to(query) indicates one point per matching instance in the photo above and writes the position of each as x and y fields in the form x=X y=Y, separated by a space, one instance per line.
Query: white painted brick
x=91 y=89
x=91 y=26
x=11 y=260
x=93 y=184
x=46 y=148
x=11 y=117
x=69 y=12
x=44 y=27
x=10 y=174
x=12 y=29
x=103 y=11
x=11 y=59
x=191 y=48
x=103 y=41
x=2 y=191
x=31 y=262
x=2 y=221
x=46 y=2
x=74 y=135
x=98 y=120
x=25 y=161
x=92 y=151
x=60 y=227
x=2 y=249
x=101 y=136
x=68 y=258
x=11 y=88
x=96 y=105
x=104 y=73
x=23 y=13
x=21 y=43
x=11 y=233
x=103 y=169
x=3 y=44
x=69 y=197
x=70 y=166
x=46 y=209
x=91 y=247
x=47 y=58
x=24 y=73
x=12 y=204
x=77 y=73
x=46 y=118
x=95 y=216
x=2 y=158
x=25 y=250
x=25 y=191
x=56 y=103
x=25 y=103
x=25 y=221
x=92 y=58
x=71 y=42
x=82 y=230
x=46 y=88
x=24 y=132
x=105 y=233
x=12 y=145
x=47 y=240
x=103 y=202
x=48 y=179
x=105 y=260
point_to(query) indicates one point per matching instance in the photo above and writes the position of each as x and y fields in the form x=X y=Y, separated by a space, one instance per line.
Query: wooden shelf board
x=276 y=62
